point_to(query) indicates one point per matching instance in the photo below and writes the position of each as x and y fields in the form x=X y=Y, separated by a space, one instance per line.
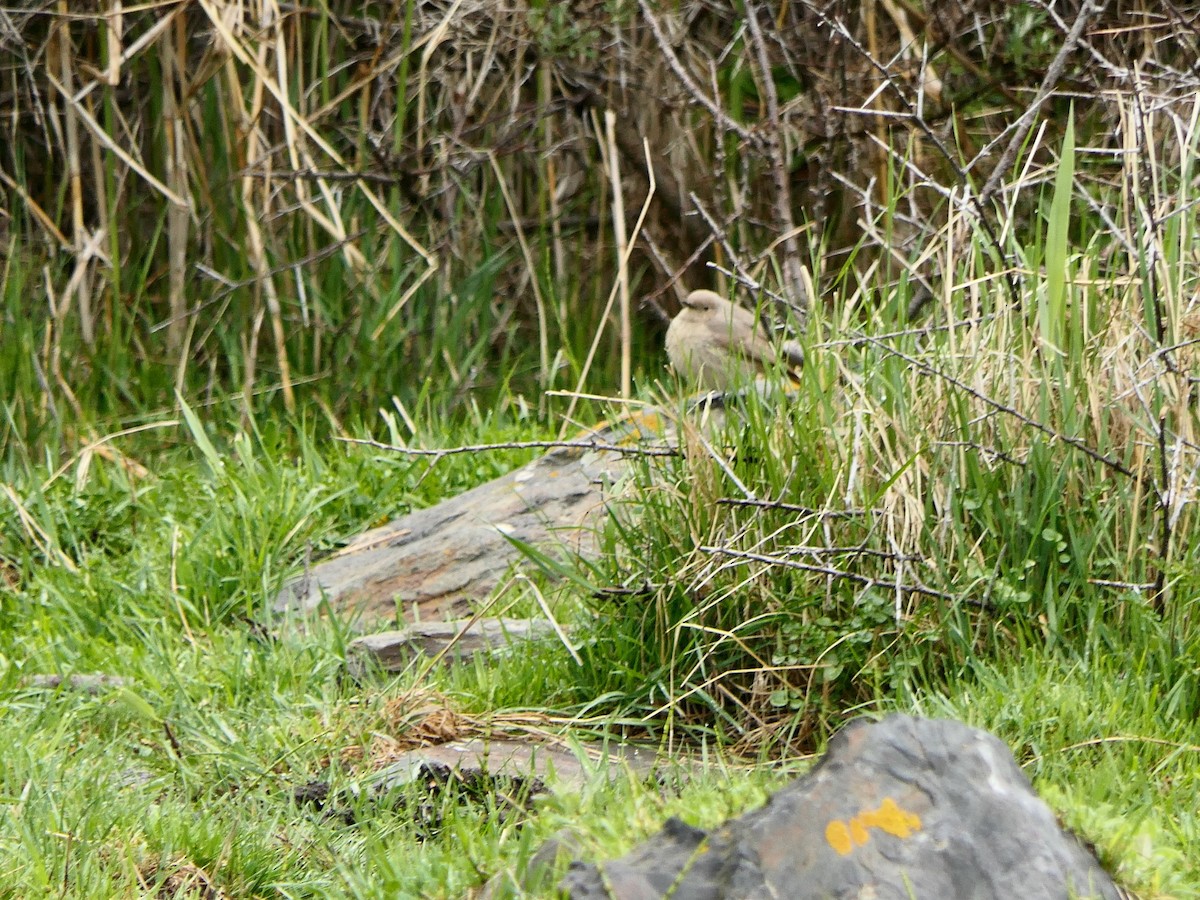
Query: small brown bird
x=719 y=345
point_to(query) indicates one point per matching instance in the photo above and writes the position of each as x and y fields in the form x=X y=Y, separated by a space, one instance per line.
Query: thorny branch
x=1074 y=442
x=793 y=278
x=833 y=573
x=515 y=445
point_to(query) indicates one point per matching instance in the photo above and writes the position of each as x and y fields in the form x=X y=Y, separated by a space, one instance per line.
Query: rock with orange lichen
x=903 y=808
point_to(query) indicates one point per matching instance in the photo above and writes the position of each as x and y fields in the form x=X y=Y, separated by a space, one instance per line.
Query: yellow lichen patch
x=651 y=421
x=889 y=818
x=838 y=836
x=858 y=831
x=894 y=820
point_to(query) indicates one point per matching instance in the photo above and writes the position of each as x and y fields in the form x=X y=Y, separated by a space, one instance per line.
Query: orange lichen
x=889 y=818
x=838 y=836
x=650 y=420
x=858 y=830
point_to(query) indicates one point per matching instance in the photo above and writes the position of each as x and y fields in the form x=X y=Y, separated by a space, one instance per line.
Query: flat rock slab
x=441 y=559
x=87 y=683
x=392 y=651
x=900 y=809
x=560 y=767
x=509 y=776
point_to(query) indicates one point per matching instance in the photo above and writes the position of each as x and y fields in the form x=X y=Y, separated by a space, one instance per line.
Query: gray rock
x=904 y=808
x=561 y=767
x=87 y=683
x=536 y=878
x=394 y=650
x=441 y=559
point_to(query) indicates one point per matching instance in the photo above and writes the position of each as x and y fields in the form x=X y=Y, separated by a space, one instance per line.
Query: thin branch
x=792 y=507
x=722 y=118
x=798 y=299
x=1087 y=12
x=918 y=120
x=834 y=573
x=514 y=445
x=1074 y=442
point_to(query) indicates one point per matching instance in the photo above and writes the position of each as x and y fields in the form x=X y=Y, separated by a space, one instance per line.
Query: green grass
x=993 y=521
x=189 y=767
x=163 y=576
x=187 y=771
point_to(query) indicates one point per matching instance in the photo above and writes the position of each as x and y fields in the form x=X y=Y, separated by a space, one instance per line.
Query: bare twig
x=917 y=119
x=719 y=115
x=833 y=573
x=597 y=445
x=1074 y=442
x=792 y=507
x=1087 y=11
x=793 y=278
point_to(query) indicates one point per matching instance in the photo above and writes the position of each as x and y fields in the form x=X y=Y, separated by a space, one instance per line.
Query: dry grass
x=229 y=188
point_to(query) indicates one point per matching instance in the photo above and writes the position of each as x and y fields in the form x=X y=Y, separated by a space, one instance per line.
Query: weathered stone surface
x=560 y=767
x=904 y=808
x=394 y=650
x=441 y=558
x=510 y=774
x=88 y=683
x=437 y=561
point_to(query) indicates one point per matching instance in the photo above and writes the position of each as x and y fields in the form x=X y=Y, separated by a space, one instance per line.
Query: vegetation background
x=237 y=230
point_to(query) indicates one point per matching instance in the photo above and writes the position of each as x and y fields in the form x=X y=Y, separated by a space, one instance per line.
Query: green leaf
x=1052 y=309
x=196 y=427
x=549 y=564
x=138 y=705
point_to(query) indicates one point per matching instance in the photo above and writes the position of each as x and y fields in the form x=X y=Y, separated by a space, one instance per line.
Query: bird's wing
x=739 y=332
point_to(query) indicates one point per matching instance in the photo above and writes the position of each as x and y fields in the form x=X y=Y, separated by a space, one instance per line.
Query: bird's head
x=704 y=301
